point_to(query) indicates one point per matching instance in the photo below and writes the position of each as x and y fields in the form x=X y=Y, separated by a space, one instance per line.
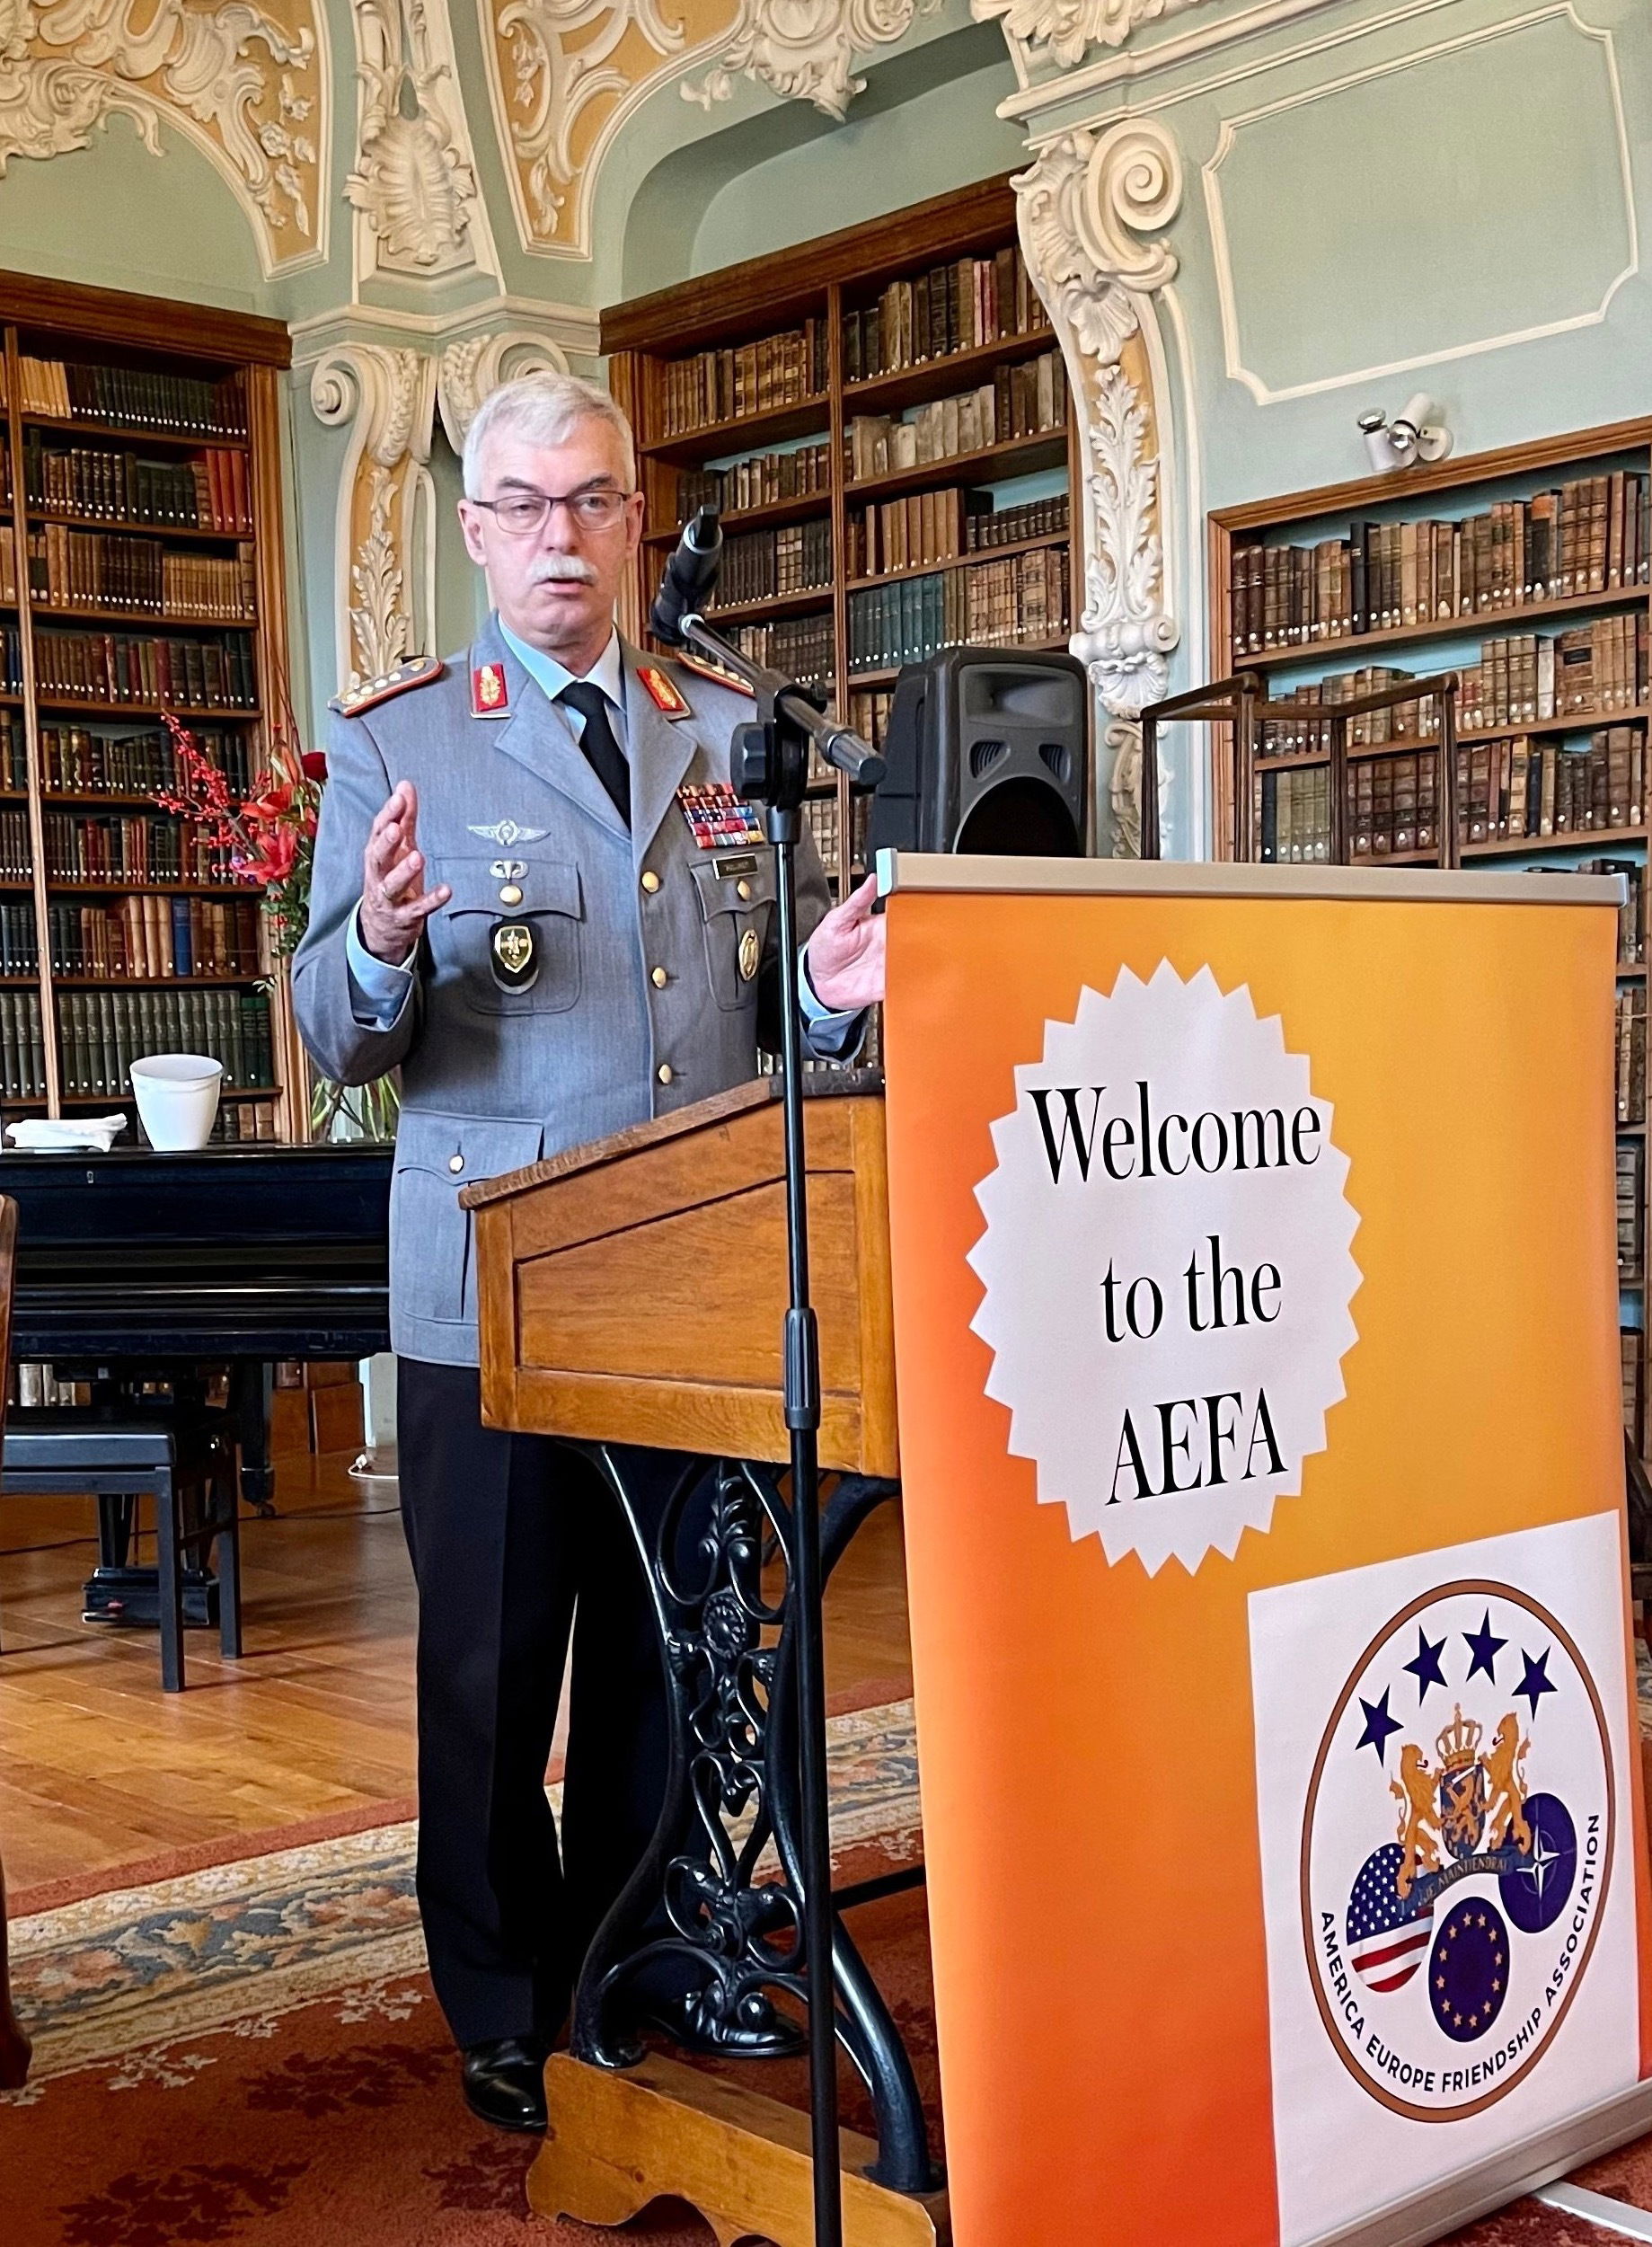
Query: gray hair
x=543 y=409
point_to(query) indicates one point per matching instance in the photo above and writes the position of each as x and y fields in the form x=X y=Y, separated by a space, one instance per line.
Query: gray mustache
x=550 y=568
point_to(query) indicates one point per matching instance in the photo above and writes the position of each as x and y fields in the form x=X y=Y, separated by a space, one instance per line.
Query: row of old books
x=1512 y=791
x=72 y=568
x=23 y=1050
x=210 y=492
x=20 y=955
x=115 y=667
x=764 y=565
x=1020 y=601
x=952 y=307
x=1592 y=536
x=868 y=713
x=131 y=846
x=88 y=761
x=1020 y=402
x=1631 y=1205
x=800 y=646
x=729 y=384
x=942 y=526
x=1628 y=1346
x=14 y=752
x=102 y=1032
x=1631 y=1053
x=14 y=846
x=1632 y=913
x=184 y=405
x=763 y=480
x=155 y=936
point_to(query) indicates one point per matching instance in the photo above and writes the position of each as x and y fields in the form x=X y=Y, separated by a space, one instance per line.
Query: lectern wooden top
x=634 y=1290
x=1172 y=877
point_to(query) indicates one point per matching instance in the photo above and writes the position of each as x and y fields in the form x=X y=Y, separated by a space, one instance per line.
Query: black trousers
x=515 y=1542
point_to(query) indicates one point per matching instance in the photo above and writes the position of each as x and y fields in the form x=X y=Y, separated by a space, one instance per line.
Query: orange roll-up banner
x=1256 y=1322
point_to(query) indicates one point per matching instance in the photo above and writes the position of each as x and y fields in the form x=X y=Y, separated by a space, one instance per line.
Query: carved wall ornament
x=476 y=364
x=805 y=50
x=1062 y=31
x=414 y=182
x=562 y=74
x=243 y=82
x=386 y=565
x=1086 y=207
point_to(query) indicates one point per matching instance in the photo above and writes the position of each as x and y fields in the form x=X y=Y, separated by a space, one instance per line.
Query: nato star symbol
x=1427 y=1668
x=1537 y=1681
x=1485 y=1648
x=1379 y=1727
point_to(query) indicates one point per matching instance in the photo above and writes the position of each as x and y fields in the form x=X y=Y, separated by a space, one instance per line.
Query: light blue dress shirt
x=378 y=990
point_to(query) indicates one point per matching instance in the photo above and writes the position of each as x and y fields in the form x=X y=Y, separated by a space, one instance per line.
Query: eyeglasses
x=520 y=513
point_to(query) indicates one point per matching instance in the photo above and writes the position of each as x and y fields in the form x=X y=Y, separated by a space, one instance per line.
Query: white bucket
x=177 y=1096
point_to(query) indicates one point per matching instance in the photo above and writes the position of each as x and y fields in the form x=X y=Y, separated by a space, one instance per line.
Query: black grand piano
x=137 y=1267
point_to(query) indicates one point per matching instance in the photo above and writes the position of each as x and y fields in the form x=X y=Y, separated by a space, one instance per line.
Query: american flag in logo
x=1388 y=1933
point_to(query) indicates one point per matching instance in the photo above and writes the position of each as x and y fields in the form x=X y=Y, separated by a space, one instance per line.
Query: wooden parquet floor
x=98 y=1767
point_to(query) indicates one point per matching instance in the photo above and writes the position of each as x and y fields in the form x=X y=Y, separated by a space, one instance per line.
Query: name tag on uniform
x=717 y=818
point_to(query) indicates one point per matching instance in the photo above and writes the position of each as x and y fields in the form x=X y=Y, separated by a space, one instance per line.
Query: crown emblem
x=1458 y=1746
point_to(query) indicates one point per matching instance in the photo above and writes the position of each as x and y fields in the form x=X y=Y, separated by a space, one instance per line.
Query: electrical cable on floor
x=249 y=1521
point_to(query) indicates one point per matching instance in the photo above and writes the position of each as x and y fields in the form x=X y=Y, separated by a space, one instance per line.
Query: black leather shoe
x=505 y=2083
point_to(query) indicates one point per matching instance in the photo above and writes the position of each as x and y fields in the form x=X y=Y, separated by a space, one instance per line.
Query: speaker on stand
x=988 y=752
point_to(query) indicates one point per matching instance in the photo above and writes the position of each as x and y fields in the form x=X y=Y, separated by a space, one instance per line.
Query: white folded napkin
x=58 y=1135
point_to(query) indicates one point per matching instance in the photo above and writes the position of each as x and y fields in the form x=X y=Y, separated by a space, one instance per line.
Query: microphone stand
x=769 y=762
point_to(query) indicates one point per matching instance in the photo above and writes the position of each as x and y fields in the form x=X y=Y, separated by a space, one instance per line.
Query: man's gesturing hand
x=395 y=908
x=845 y=953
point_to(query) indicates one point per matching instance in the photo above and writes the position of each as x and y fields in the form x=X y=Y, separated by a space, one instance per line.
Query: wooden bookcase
x=100 y=390
x=818 y=287
x=1594 y=757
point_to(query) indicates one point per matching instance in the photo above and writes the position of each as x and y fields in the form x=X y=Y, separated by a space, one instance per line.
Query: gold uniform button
x=658 y=979
x=510 y=894
x=455 y=1162
x=650 y=881
x=742 y=889
x=665 y=1073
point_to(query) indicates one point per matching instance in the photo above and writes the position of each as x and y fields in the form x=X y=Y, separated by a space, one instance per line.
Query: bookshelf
x=1500 y=603
x=140 y=573
x=882 y=416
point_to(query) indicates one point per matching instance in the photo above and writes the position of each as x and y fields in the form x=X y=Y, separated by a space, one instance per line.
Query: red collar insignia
x=489 y=698
x=661 y=691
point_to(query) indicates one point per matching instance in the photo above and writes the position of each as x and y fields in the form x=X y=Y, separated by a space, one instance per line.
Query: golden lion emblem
x=1504 y=1763
x=1419 y=1835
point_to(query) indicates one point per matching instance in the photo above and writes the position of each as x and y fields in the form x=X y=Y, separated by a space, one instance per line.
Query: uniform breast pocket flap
x=513 y=932
x=737 y=902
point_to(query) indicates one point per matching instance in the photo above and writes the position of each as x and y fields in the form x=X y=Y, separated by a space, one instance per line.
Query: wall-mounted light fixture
x=1412 y=435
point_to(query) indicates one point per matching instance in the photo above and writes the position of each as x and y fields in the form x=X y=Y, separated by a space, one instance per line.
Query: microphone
x=691 y=575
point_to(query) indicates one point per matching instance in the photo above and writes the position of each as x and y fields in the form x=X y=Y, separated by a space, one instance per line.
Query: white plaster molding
x=384 y=566
x=1086 y=209
x=1226 y=293
x=413 y=189
x=247 y=89
x=1122 y=64
x=1061 y=33
x=805 y=50
x=576 y=328
x=475 y=364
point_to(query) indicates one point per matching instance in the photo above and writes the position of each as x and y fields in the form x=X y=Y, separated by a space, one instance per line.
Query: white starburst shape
x=1169 y=1419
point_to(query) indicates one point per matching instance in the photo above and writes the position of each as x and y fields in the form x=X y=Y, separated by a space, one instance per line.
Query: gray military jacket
x=646 y=999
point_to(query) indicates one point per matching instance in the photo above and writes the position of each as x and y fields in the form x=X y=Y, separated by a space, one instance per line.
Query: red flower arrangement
x=267 y=839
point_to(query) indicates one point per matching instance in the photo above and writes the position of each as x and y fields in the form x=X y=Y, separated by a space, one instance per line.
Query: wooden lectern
x=632 y=1292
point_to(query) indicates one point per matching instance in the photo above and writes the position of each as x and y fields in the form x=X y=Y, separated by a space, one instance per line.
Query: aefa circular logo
x=1456 y=1849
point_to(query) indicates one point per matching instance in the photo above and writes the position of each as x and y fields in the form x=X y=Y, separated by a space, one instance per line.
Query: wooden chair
x=13 y=2043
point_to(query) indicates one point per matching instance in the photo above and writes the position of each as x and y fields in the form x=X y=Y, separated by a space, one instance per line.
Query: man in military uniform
x=535 y=894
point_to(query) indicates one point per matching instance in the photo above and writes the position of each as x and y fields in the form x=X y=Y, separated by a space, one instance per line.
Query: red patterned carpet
x=250 y=2052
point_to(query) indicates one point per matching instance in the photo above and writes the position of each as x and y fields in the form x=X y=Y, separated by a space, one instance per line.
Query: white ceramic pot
x=177 y=1096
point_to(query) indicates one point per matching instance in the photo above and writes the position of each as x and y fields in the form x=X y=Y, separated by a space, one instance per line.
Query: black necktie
x=603 y=752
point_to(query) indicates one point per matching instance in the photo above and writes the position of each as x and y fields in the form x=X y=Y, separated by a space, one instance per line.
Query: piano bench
x=185 y=1460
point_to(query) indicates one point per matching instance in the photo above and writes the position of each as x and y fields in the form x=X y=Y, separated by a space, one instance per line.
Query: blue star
x=1427 y=1668
x=1485 y=1648
x=1537 y=1681
x=1379 y=1725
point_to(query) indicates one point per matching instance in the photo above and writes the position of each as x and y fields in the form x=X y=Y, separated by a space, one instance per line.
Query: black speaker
x=988 y=752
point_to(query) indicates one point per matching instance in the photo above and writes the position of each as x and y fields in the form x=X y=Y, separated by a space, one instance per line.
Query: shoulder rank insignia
x=717 y=818
x=417 y=670
x=661 y=691
x=718 y=679
x=489 y=695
